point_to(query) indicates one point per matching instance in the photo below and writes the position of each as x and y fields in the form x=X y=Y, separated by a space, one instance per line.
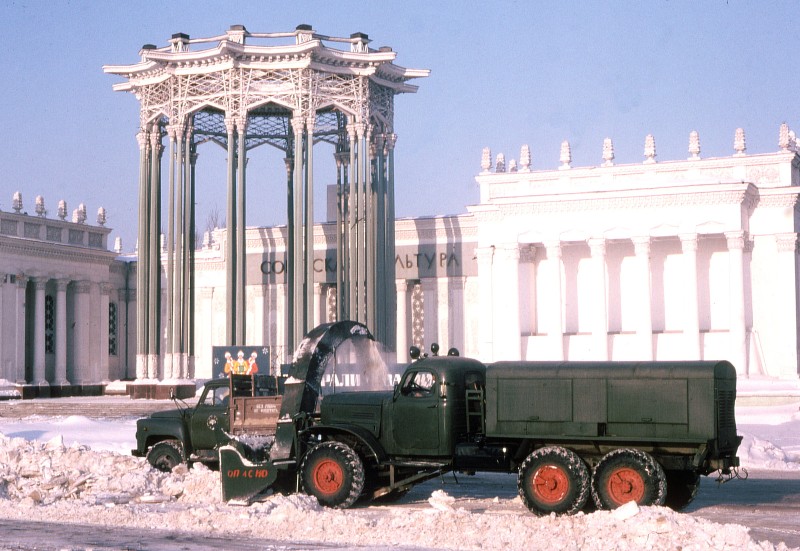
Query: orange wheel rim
x=550 y=484
x=624 y=485
x=328 y=476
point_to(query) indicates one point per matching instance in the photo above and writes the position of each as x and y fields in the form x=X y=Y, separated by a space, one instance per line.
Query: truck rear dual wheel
x=625 y=475
x=166 y=455
x=333 y=473
x=553 y=480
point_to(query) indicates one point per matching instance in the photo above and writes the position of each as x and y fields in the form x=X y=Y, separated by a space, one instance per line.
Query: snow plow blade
x=242 y=480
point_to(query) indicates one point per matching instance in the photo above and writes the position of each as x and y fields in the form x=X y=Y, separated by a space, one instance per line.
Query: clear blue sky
x=504 y=73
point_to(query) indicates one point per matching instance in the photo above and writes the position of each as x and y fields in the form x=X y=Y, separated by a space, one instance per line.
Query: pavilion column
x=691 y=307
x=430 y=307
x=342 y=237
x=507 y=333
x=738 y=323
x=312 y=311
x=295 y=259
x=241 y=244
x=485 y=302
x=230 y=236
x=19 y=356
x=257 y=334
x=644 y=325
x=361 y=217
x=175 y=147
x=39 y=375
x=370 y=239
x=402 y=320
x=61 y=333
x=352 y=226
x=555 y=315
x=785 y=307
x=390 y=307
x=600 y=310
x=150 y=292
x=143 y=248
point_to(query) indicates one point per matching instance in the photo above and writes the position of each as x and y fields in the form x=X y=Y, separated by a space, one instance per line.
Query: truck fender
x=162 y=429
x=362 y=435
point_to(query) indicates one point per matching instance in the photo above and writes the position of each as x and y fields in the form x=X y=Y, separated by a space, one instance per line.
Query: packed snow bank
x=75 y=484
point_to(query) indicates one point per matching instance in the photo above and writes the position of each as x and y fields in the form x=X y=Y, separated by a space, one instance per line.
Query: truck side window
x=419 y=383
x=221 y=396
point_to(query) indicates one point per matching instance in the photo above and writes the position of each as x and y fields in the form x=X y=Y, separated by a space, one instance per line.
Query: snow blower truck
x=612 y=431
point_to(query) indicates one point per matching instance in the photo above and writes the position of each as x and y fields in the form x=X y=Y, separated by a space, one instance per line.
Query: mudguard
x=369 y=442
x=241 y=479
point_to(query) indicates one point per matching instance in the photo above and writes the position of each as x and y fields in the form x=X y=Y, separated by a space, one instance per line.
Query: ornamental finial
x=500 y=163
x=486 y=160
x=101 y=216
x=649 y=149
x=608 y=152
x=16 y=202
x=512 y=165
x=79 y=214
x=525 y=158
x=694 y=146
x=739 y=144
x=62 y=209
x=41 y=212
x=566 y=156
x=783 y=137
x=118 y=245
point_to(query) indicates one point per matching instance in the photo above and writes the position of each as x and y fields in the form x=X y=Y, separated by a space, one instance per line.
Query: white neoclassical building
x=63 y=302
x=685 y=259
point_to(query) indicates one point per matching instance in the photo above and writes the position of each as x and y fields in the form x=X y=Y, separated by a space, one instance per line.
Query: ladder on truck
x=474 y=410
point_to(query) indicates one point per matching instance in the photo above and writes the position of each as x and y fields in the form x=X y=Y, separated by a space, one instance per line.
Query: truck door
x=210 y=423
x=416 y=414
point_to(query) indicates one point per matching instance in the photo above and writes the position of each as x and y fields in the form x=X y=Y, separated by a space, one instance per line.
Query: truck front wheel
x=553 y=480
x=166 y=455
x=333 y=473
x=625 y=475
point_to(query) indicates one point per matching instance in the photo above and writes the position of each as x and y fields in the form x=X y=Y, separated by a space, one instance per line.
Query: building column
x=554 y=322
x=81 y=336
x=3 y=364
x=61 y=333
x=150 y=294
x=455 y=308
x=430 y=296
x=312 y=304
x=319 y=304
x=738 y=324
x=295 y=256
x=39 y=375
x=19 y=355
x=784 y=329
x=600 y=314
x=691 y=324
x=143 y=249
x=507 y=334
x=485 y=257
x=402 y=320
x=644 y=325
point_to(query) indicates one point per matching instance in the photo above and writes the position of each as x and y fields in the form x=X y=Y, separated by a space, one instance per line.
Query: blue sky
x=503 y=74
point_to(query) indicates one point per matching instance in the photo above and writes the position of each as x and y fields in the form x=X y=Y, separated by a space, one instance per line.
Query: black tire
x=553 y=480
x=333 y=473
x=625 y=475
x=682 y=488
x=166 y=455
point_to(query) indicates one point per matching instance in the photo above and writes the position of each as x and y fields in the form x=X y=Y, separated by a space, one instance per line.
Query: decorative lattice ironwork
x=112 y=329
x=49 y=324
x=417 y=315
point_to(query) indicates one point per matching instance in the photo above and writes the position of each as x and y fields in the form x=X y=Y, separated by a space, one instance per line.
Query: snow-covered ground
x=79 y=470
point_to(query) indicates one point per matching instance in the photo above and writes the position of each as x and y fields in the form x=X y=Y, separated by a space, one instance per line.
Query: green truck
x=242 y=407
x=610 y=431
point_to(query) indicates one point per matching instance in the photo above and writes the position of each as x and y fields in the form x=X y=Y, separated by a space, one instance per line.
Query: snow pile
x=75 y=484
x=757 y=453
